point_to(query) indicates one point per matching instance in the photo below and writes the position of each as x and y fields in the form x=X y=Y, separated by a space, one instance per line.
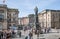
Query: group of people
x=27 y=35
x=30 y=36
x=6 y=34
x=37 y=32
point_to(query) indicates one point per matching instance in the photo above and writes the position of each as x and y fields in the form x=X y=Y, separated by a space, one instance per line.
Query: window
x=14 y=25
x=55 y=15
x=1 y=11
x=14 y=19
x=9 y=20
x=14 y=14
x=1 y=17
x=48 y=14
x=48 y=24
x=0 y=26
x=9 y=24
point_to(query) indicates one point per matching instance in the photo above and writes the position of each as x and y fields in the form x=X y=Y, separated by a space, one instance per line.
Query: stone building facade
x=24 y=21
x=31 y=19
x=3 y=16
x=8 y=17
x=49 y=18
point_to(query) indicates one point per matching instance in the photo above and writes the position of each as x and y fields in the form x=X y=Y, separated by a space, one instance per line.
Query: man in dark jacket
x=30 y=35
x=20 y=34
x=0 y=35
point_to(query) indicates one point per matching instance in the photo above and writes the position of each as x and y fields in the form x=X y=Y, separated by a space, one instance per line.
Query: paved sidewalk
x=17 y=38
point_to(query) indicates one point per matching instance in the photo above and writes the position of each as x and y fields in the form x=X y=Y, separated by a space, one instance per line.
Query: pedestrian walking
x=19 y=34
x=8 y=34
x=0 y=35
x=48 y=30
x=4 y=35
x=45 y=30
x=13 y=34
x=30 y=35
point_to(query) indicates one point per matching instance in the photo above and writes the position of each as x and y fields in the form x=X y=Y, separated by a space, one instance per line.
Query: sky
x=26 y=7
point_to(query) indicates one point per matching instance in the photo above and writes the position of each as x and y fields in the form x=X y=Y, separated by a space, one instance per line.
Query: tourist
x=8 y=34
x=0 y=35
x=30 y=35
x=20 y=34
